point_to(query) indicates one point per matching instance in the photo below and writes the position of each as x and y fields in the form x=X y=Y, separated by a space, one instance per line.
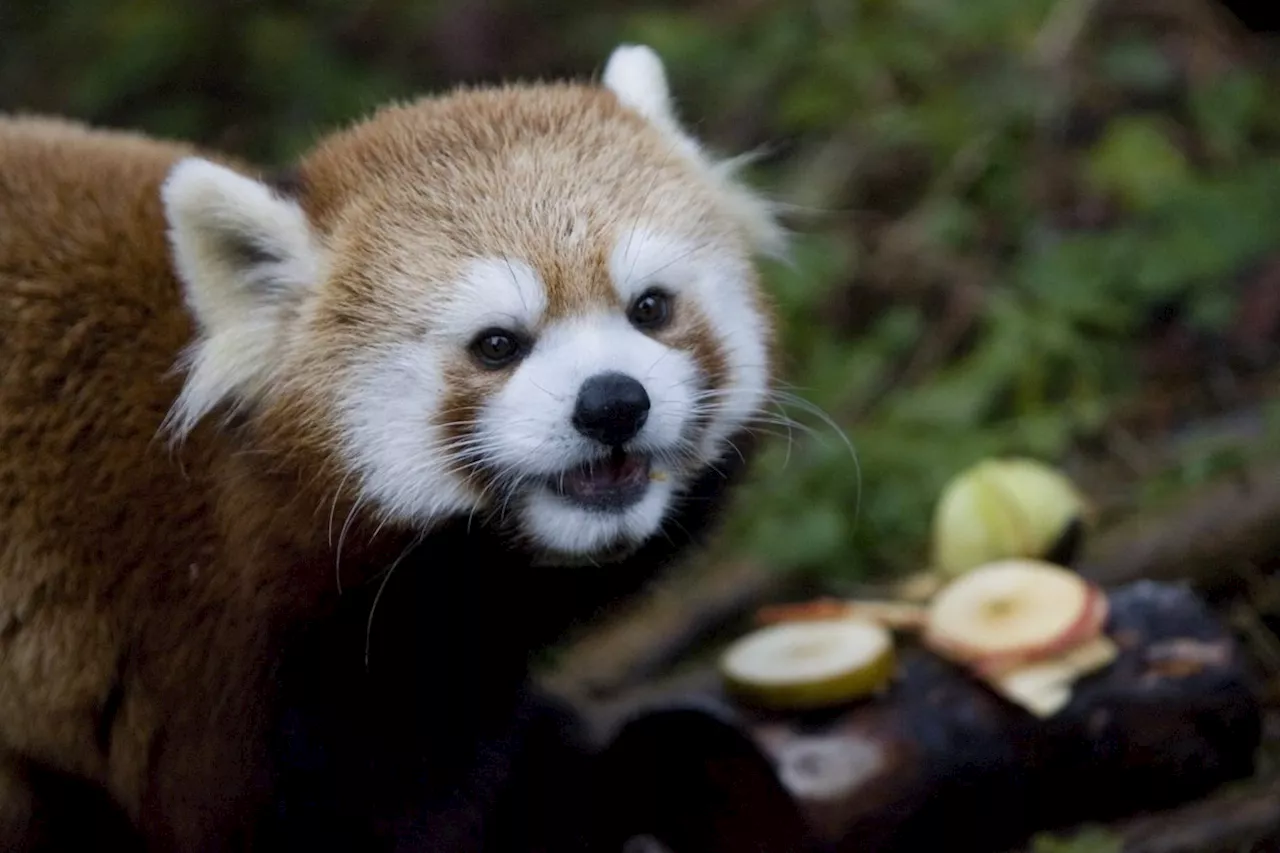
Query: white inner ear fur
x=244 y=256
x=635 y=74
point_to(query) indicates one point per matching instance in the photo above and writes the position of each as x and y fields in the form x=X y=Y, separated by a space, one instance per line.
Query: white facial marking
x=392 y=439
x=719 y=283
x=254 y=271
x=530 y=428
x=502 y=292
x=528 y=425
x=393 y=397
x=524 y=433
x=566 y=529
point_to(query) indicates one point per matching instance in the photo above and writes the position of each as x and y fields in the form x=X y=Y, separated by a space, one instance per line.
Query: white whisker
x=373 y=608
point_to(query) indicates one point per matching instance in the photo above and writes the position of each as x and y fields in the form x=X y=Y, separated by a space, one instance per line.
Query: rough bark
x=1230 y=524
x=938 y=762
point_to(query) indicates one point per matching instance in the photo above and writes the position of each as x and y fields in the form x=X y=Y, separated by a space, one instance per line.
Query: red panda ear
x=244 y=255
x=635 y=74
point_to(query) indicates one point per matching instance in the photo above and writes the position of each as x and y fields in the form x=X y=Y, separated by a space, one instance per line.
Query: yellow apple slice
x=1013 y=610
x=809 y=664
x=1044 y=687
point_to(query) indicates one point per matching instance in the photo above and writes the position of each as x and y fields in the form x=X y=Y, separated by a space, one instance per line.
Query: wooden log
x=1244 y=819
x=1234 y=522
x=938 y=762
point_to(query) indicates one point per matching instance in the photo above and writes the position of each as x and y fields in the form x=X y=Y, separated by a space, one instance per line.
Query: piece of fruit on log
x=942 y=762
x=1004 y=508
x=809 y=664
x=1030 y=629
x=895 y=615
x=1013 y=610
x=1043 y=687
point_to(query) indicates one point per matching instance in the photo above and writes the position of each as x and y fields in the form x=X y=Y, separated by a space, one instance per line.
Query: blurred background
x=1044 y=227
x=1034 y=227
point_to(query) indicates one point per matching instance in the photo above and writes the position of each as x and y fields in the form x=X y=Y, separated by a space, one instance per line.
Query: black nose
x=611 y=408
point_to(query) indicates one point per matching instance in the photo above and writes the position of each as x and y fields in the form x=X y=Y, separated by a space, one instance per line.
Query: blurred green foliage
x=1088 y=840
x=995 y=202
x=1182 y=159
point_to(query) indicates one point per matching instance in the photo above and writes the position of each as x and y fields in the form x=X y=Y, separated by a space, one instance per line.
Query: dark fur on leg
x=42 y=811
x=441 y=739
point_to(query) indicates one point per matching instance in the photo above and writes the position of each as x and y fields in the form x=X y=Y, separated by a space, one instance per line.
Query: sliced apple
x=1087 y=629
x=895 y=615
x=1010 y=611
x=809 y=664
x=1044 y=687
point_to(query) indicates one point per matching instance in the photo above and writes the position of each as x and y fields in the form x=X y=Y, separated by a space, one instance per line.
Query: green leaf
x=1137 y=161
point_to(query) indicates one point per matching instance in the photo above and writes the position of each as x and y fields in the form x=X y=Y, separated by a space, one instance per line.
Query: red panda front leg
x=45 y=811
x=18 y=827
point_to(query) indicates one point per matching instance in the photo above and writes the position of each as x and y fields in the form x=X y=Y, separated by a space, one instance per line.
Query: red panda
x=297 y=472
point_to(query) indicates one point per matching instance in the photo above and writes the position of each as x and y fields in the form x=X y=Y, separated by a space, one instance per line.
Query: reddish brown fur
x=476 y=188
x=123 y=563
x=143 y=587
x=97 y=524
x=460 y=162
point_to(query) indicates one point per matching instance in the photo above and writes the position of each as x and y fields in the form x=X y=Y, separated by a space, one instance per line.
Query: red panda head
x=536 y=304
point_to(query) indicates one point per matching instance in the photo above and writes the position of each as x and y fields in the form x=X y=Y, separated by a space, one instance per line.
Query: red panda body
x=242 y=607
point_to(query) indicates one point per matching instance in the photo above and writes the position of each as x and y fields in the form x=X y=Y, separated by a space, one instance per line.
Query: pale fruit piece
x=921 y=586
x=810 y=664
x=895 y=615
x=1044 y=687
x=1089 y=626
x=1002 y=508
x=1012 y=607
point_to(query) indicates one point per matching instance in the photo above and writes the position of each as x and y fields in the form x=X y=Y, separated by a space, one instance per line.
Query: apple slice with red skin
x=1085 y=631
x=1007 y=613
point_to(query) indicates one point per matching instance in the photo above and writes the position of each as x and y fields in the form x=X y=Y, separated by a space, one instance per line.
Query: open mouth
x=614 y=483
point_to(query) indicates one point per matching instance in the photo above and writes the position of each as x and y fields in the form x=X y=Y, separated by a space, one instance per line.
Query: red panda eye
x=651 y=310
x=496 y=347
